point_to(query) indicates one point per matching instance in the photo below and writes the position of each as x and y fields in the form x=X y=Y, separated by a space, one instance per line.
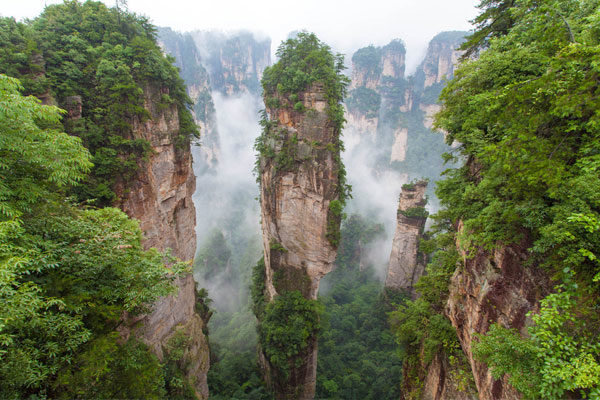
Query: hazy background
x=346 y=26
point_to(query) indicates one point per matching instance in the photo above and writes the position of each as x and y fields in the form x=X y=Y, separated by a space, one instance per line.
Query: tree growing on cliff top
x=110 y=59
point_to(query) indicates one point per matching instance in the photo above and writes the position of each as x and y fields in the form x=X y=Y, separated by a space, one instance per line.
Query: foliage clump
x=525 y=115
x=257 y=288
x=111 y=60
x=302 y=61
x=414 y=212
x=555 y=360
x=67 y=275
x=364 y=101
x=368 y=59
x=288 y=325
x=334 y=218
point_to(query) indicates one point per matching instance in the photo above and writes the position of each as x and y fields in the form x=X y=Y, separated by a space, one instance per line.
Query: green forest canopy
x=526 y=115
x=110 y=59
x=68 y=274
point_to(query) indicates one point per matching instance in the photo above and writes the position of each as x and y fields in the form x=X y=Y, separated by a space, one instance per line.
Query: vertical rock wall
x=160 y=197
x=295 y=203
x=491 y=288
x=295 y=212
x=406 y=265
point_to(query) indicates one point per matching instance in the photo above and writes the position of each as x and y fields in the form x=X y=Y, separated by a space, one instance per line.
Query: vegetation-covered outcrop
x=303 y=190
x=97 y=62
x=85 y=270
x=523 y=210
x=68 y=273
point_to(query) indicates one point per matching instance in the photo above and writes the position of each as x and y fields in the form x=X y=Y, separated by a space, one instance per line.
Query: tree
x=495 y=20
x=66 y=274
x=526 y=116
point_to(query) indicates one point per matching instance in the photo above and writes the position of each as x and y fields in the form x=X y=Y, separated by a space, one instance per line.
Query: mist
x=225 y=197
x=374 y=193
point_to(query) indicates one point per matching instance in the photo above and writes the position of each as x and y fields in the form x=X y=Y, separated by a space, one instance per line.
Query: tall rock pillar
x=302 y=195
x=406 y=265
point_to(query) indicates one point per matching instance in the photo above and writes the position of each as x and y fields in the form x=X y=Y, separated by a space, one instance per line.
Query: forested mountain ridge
x=513 y=281
x=127 y=105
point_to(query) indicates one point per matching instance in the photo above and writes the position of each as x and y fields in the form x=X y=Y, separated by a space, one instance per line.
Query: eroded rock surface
x=493 y=288
x=297 y=188
x=295 y=203
x=406 y=265
x=160 y=197
x=441 y=382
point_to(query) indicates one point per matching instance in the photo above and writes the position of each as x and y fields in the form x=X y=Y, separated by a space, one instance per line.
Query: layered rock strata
x=406 y=264
x=298 y=184
x=441 y=381
x=493 y=287
x=160 y=197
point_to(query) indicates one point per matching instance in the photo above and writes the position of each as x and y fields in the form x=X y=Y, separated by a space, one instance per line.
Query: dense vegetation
x=69 y=273
x=526 y=115
x=110 y=59
x=364 y=101
x=357 y=352
x=368 y=59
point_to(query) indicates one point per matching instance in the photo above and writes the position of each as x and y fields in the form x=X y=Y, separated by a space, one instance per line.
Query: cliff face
x=406 y=265
x=295 y=203
x=235 y=62
x=296 y=217
x=493 y=288
x=160 y=197
x=193 y=71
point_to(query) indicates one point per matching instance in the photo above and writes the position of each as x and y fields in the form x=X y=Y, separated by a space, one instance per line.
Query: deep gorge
x=206 y=221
